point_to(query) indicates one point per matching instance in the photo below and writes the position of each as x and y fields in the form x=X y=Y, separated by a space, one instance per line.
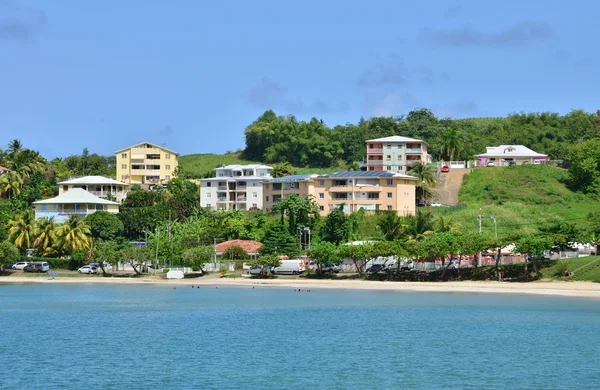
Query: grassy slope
x=520 y=197
x=588 y=268
x=199 y=165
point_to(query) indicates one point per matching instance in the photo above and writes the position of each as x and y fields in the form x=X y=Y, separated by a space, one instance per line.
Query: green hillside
x=522 y=198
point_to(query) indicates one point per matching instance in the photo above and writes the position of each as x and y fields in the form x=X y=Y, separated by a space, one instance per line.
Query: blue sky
x=191 y=75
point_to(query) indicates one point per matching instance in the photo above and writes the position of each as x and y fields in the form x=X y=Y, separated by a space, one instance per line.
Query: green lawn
x=521 y=198
x=585 y=269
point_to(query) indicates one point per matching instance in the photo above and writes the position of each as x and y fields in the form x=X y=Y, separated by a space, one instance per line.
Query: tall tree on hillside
x=282 y=169
x=425 y=177
x=10 y=184
x=452 y=142
x=15 y=146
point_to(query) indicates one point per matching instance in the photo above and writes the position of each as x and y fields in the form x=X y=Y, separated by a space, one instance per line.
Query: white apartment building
x=235 y=187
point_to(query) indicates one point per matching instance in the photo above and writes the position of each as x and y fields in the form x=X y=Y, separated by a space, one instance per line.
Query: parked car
x=259 y=270
x=88 y=269
x=376 y=268
x=435 y=204
x=421 y=202
x=491 y=164
x=37 y=266
x=331 y=268
x=511 y=163
x=20 y=265
x=445 y=168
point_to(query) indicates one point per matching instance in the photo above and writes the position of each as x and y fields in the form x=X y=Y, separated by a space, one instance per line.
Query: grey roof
x=75 y=195
x=237 y=167
x=93 y=180
x=293 y=178
x=368 y=174
x=236 y=178
x=395 y=138
x=150 y=143
x=503 y=151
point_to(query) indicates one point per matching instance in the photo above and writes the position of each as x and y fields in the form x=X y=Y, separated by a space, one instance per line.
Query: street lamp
x=495 y=227
x=307 y=229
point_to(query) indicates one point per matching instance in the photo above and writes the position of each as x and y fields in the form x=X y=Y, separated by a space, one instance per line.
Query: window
x=399 y=146
x=43 y=207
x=322 y=208
x=389 y=182
x=267 y=198
x=389 y=195
x=255 y=195
x=208 y=195
x=399 y=157
x=99 y=207
x=168 y=167
x=254 y=205
x=123 y=166
x=123 y=177
x=123 y=155
x=388 y=157
x=389 y=146
x=321 y=195
x=167 y=177
x=389 y=208
x=389 y=168
x=77 y=207
x=321 y=183
x=373 y=195
x=371 y=168
x=168 y=156
x=208 y=184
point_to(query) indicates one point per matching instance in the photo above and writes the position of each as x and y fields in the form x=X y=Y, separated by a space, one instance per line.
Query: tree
x=282 y=169
x=267 y=261
x=108 y=252
x=390 y=225
x=324 y=253
x=199 y=256
x=136 y=257
x=300 y=212
x=278 y=240
x=8 y=253
x=15 y=146
x=359 y=254
x=21 y=230
x=533 y=245
x=45 y=233
x=425 y=177
x=105 y=226
x=73 y=234
x=10 y=183
x=337 y=227
x=584 y=165
x=451 y=142
x=235 y=253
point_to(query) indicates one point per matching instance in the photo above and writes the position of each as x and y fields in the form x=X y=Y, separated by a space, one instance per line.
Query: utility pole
x=480 y=216
x=215 y=254
x=495 y=227
x=170 y=244
x=157 y=242
x=479 y=260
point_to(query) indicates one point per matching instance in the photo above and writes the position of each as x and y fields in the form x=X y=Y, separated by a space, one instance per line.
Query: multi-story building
x=355 y=190
x=395 y=153
x=235 y=187
x=146 y=163
x=102 y=187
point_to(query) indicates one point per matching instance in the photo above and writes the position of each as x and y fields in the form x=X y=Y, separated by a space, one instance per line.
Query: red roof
x=249 y=246
x=3 y=168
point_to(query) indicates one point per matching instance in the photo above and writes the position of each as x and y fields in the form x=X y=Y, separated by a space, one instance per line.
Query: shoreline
x=548 y=288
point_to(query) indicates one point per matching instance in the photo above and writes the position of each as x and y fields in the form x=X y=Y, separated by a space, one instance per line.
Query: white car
x=491 y=164
x=20 y=265
x=87 y=269
x=436 y=204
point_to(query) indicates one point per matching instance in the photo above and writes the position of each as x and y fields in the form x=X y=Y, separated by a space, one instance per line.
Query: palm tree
x=10 y=183
x=446 y=225
x=73 y=234
x=425 y=175
x=21 y=230
x=390 y=225
x=45 y=232
x=452 y=142
x=419 y=225
x=15 y=146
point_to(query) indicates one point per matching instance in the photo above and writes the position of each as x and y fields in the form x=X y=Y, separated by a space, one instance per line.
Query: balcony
x=241 y=199
x=374 y=162
x=414 y=150
x=222 y=188
x=375 y=151
x=222 y=199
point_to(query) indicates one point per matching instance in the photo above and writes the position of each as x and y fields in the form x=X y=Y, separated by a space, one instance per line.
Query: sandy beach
x=560 y=288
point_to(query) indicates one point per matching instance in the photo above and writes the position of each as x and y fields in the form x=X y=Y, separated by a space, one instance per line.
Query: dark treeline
x=274 y=139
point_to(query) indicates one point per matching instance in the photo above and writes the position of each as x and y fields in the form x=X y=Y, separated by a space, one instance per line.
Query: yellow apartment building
x=370 y=190
x=146 y=163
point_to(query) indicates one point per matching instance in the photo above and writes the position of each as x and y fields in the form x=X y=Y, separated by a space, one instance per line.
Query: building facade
x=370 y=191
x=505 y=155
x=102 y=187
x=235 y=187
x=76 y=201
x=146 y=163
x=395 y=154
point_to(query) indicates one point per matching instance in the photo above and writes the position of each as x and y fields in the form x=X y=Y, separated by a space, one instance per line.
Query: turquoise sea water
x=130 y=337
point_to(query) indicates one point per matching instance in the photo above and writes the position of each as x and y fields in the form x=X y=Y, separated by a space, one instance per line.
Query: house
x=509 y=155
x=3 y=170
x=146 y=163
x=395 y=153
x=251 y=247
x=235 y=187
x=355 y=190
x=76 y=201
x=102 y=187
